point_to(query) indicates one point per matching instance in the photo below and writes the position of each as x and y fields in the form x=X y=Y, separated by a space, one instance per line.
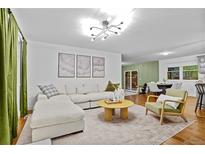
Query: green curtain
x=4 y=119
x=23 y=101
x=12 y=75
x=8 y=77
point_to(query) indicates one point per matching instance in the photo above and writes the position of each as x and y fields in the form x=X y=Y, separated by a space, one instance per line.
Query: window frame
x=181 y=75
x=173 y=71
x=191 y=71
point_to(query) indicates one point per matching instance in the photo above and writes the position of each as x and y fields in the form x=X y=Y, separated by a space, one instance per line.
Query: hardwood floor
x=192 y=135
x=21 y=124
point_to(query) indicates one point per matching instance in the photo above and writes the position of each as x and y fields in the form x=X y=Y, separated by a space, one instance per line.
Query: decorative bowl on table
x=108 y=101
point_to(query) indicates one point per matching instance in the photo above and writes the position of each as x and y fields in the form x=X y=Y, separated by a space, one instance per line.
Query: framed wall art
x=66 y=65
x=201 y=64
x=98 y=67
x=83 y=66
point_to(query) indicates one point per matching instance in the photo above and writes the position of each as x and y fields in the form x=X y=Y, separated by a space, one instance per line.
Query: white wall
x=189 y=85
x=43 y=67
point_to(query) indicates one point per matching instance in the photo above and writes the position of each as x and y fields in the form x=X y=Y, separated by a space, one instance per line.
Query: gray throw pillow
x=49 y=90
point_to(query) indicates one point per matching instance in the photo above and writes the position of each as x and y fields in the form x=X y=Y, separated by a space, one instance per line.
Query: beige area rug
x=138 y=129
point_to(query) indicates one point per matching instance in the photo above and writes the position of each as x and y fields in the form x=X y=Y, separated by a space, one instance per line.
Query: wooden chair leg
x=183 y=117
x=201 y=101
x=197 y=103
x=161 y=119
x=146 y=111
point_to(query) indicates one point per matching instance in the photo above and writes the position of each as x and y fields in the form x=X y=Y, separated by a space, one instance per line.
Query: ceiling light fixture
x=166 y=53
x=105 y=31
x=116 y=20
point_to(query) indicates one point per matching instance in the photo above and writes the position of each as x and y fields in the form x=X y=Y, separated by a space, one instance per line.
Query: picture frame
x=201 y=64
x=83 y=66
x=66 y=65
x=98 y=67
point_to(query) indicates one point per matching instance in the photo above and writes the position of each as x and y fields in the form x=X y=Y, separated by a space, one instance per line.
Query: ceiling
x=179 y=31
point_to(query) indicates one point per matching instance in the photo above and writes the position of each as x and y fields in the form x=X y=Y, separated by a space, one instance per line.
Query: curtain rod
x=10 y=12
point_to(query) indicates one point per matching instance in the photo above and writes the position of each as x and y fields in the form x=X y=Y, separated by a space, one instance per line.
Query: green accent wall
x=147 y=72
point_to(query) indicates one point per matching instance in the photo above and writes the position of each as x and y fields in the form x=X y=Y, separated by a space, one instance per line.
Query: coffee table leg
x=108 y=114
x=124 y=113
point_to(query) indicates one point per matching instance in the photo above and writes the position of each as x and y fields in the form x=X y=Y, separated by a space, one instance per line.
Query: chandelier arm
x=93 y=35
x=96 y=28
x=106 y=34
x=111 y=31
x=99 y=34
x=118 y=24
x=116 y=27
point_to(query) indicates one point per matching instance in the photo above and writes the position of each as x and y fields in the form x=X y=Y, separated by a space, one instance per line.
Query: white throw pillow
x=162 y=98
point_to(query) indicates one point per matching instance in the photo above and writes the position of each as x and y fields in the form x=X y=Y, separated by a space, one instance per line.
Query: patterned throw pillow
x=49 y=90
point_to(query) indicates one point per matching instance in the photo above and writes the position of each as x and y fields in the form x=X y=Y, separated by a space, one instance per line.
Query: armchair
x=163 y=109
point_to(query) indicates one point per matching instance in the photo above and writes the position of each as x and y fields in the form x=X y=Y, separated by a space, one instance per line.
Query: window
x=190 y=72
x=173 y=73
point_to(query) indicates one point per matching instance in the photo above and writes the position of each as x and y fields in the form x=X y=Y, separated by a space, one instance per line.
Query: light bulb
x=92 y=39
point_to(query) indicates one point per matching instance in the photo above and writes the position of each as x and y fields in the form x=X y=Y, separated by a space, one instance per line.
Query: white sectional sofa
x=55 y=117
x=63 y=114
x=86 y=95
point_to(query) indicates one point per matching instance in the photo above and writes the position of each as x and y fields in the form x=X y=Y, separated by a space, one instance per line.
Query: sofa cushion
x=55 y=113
x=55 y=99
x=157 y=107
x=61 y=98
x=101 y=87
x=61 y=87
x=70 y=89
x=100 y=95
x=176 y=93
x=88 y=88
x=79 y=98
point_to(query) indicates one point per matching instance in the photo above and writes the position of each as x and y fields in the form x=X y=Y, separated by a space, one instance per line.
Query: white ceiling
x=181 y=31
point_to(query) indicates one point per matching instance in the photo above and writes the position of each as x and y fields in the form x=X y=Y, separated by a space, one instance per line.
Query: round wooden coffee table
x=110 y=109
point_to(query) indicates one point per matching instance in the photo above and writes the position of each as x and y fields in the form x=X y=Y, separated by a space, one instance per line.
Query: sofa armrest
x=41 y=97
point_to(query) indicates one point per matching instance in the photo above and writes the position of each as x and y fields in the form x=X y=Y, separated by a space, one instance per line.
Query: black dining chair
x=200 y=87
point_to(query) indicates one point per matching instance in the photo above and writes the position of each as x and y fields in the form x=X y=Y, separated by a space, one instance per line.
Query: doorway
x=131 y=80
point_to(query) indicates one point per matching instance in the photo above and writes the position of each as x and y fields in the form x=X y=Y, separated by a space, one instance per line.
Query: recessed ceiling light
x=166 y=53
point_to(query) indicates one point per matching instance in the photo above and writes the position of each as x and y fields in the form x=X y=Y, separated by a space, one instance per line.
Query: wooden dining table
x=164 y=86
